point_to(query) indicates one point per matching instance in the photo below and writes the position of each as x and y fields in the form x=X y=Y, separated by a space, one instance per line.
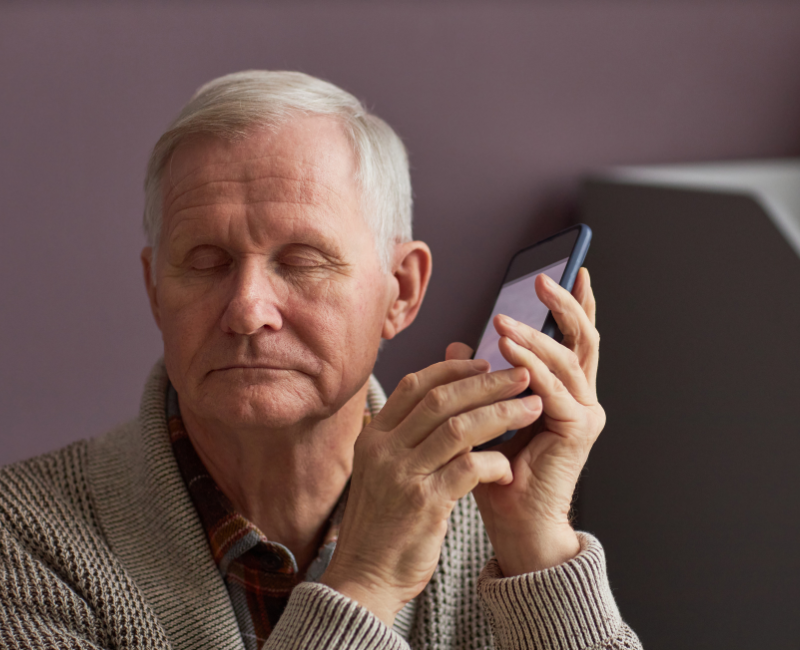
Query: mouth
x=252 y=367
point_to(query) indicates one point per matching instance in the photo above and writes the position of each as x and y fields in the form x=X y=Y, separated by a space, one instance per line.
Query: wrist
x=365 y=593
x=536 y=550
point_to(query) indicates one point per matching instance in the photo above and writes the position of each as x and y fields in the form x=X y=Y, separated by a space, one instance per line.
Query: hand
x=528 y=519
x=411 y=465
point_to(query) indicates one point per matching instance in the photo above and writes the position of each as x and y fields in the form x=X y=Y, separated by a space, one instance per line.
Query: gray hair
x=231 y=106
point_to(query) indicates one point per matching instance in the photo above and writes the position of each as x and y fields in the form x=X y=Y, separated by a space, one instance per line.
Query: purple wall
x=503 y=106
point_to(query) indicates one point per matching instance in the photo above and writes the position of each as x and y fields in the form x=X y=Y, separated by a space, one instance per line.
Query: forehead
x=305 y=168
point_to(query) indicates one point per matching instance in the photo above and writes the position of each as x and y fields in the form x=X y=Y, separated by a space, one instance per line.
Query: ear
x=411 y=272
x=147 y=267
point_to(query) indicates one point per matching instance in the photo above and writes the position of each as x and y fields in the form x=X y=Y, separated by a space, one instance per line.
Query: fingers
x=448 y=400
x=460 y=433
x=582 y=291
x=463 y=473
x=558 y=402
x=412 y=388
x=458 y=351
x=574 y=321
x=557 y=359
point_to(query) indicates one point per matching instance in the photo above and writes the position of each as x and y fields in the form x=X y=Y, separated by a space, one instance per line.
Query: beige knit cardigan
x=100 y=547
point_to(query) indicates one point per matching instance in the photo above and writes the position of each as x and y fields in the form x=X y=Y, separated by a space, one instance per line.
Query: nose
x=254 y=304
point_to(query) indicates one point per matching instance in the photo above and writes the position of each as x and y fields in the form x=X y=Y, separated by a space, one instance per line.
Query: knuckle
x=468 y=463
x=503 y=410
x=601 y=421
x=436 y=400
x=456 y=429
x=409 y=384
x=488 y=382
x=417 y=495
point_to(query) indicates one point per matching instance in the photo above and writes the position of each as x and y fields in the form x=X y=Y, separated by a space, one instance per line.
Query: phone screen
x=517 y=299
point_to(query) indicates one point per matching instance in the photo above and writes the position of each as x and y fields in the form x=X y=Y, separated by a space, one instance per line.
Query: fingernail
x=532 y=403
x=508 y=321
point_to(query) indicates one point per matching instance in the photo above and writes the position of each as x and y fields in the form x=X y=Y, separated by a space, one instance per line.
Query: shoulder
x=55 y=488
x=48 y=506
x=60 y=576
x=51 y=487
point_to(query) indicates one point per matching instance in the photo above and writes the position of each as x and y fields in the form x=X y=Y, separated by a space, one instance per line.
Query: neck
x=286 y=483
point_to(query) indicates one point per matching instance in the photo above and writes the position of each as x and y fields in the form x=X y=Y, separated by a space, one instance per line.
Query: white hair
x=232 y=106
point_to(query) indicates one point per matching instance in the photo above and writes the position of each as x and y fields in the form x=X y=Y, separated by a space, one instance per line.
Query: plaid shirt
x=258 y=573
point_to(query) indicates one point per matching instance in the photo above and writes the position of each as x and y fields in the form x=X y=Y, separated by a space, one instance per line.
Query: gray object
x=694 y=487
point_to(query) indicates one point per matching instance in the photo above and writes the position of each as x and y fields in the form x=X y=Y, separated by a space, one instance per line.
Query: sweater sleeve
x=317 y=616
x=569 y=606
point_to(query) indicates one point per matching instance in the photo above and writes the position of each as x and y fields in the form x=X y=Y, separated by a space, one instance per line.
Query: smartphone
x=559 y=257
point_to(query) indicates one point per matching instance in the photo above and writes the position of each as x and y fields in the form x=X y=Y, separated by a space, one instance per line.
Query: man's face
x=269 y=292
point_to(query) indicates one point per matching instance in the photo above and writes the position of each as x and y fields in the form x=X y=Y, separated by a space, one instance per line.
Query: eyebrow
x=188 y=238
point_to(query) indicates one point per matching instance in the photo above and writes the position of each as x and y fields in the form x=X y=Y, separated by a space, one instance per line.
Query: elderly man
x=268 y=495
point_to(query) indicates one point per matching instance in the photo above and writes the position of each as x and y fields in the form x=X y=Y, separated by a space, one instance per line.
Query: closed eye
x=304 y=257
x=205 y=258
x=303 y=261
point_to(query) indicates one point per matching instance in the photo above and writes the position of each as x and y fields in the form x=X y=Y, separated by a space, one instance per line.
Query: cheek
x=320 y=318
x=188 y=318
x=366 y=314
x=344 y=321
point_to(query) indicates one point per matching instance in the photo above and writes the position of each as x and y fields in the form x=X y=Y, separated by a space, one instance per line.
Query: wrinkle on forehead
x=309 y=160
x=250 y=183
x=303 y=175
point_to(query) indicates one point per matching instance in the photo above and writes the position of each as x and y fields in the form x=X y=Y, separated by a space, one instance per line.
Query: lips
x=253 y=367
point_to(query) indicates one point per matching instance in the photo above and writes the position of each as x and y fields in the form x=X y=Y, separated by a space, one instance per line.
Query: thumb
x=459 y=351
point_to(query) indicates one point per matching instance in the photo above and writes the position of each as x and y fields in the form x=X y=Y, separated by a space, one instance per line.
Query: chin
x=269 y=404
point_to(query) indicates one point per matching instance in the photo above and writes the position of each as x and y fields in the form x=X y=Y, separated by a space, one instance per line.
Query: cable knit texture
x=100 y=547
